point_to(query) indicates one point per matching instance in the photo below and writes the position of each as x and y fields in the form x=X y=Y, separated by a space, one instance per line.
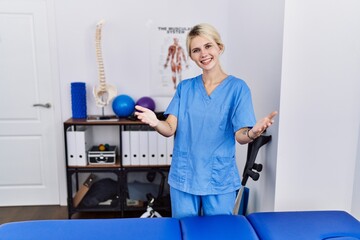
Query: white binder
x=143 y=148
x=161 y=142
x=78 y=142
x=71 y=146
x=153 y=148
x=125 y=148
x=82 y=139
x=169 y=149
x=135 y=147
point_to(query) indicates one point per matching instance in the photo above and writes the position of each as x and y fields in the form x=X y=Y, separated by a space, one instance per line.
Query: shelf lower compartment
x=77 y=175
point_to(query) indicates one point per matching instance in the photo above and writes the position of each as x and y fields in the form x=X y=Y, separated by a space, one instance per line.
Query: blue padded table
x=222 y=227
x=305 y=225
x=94 y=229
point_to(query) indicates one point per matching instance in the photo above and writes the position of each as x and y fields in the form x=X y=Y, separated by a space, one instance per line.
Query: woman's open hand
x=147 y=116
x=262 y=125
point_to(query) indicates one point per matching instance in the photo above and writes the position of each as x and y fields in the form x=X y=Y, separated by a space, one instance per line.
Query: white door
x=28 y=163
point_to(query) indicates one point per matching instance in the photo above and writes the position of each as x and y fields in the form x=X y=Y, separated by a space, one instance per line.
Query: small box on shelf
x=96 y=156
x=134 y=203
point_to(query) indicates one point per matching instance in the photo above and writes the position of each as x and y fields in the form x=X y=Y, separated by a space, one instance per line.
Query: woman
x=207 y=113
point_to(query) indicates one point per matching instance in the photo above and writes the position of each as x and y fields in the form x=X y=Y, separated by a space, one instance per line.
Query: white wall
x=310 y=164
x=355 y=208
x=255 y=44
x=320 y=111
x=126 y=38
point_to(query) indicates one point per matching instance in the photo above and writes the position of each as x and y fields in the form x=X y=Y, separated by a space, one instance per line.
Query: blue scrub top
x=203 y=161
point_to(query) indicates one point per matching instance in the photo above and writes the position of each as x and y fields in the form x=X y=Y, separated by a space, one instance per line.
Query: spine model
x=103 y=93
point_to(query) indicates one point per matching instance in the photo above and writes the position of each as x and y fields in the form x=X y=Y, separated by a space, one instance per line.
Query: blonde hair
x=205 y=30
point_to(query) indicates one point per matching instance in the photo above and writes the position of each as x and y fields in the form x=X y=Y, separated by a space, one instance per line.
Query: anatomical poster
x=170 y=63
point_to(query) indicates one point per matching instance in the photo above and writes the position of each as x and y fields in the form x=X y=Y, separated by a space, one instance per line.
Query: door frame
x=56 y=90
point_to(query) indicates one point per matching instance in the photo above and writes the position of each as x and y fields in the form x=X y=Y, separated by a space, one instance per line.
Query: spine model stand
x=103 y=93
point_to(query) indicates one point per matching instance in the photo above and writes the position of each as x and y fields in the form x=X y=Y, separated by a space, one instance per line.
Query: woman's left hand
x=262 y=125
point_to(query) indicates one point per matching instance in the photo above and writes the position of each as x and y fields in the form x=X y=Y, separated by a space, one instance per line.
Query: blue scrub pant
x=185 y=204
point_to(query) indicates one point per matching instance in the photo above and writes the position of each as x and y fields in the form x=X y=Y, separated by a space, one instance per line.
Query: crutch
x=251 y=170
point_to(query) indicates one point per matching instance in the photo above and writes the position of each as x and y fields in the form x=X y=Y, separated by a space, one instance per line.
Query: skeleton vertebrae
x=103 y=93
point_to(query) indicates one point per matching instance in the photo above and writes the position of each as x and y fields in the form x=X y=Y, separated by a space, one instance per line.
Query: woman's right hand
x=147 y=116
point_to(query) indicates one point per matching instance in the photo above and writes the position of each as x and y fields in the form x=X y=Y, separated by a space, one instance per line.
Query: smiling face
x=205 y=52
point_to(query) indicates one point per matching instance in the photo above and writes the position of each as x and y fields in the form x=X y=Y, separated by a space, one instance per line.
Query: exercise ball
x=146 y=102
x=123 y=105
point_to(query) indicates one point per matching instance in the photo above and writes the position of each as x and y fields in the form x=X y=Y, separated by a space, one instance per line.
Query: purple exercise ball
x=146 y=102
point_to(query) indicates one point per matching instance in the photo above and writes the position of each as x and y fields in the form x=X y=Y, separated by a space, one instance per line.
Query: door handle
x=46 y=105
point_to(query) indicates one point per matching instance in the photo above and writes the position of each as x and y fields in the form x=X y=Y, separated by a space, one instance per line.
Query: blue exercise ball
x=123 y=105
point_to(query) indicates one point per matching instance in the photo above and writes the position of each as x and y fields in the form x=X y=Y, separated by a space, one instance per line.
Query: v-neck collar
x=214 y=92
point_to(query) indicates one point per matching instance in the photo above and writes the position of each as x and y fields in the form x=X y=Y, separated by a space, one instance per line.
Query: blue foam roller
x=78 y=100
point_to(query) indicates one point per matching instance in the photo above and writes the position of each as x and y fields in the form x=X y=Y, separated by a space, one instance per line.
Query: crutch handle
x=250 y=166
